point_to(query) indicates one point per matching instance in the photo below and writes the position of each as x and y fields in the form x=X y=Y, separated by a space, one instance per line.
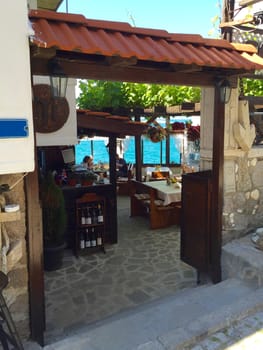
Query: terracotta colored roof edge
x=114 y=26
x=195 y=39
x=57 y=16
x=94 y=23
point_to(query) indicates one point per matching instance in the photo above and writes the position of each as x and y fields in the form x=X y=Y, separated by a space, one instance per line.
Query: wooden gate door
x=196 y=220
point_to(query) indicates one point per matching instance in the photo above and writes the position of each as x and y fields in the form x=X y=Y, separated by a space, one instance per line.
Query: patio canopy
x=105 y=124
x=107 y=50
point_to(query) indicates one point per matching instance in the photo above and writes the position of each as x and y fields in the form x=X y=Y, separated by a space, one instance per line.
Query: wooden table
x=168 y=193
x=156 y=199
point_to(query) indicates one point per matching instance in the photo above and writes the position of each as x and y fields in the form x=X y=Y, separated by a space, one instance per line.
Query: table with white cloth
x=149 y=170
x=168 y=193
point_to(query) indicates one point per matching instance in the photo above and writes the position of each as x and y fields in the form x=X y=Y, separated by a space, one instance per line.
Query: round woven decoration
x=49 y=113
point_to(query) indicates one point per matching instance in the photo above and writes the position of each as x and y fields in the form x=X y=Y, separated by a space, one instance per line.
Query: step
x=171 y=323
x=241 y=259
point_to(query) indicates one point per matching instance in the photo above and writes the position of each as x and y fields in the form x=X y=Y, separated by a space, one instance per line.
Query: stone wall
x=243 y=166
x=16 y=293
x=243 y=193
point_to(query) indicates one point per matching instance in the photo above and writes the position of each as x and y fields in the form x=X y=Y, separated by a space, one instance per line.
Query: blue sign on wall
x=10 y=128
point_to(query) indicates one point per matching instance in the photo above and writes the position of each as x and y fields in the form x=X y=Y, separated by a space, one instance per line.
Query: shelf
x=85 y=250
x=90 y=225
x=5 y=217
x=90 y=231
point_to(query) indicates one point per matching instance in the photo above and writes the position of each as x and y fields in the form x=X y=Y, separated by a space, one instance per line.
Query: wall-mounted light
x=58 y=79
x=258 y=18
x=225 y=90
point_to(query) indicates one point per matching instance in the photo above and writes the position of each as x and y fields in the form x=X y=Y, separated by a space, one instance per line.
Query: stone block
x=14 y=255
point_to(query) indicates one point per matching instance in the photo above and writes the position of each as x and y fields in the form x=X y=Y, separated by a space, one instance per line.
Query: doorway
x=143 y=267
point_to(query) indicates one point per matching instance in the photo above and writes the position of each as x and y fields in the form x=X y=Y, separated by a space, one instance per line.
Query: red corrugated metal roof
x=75 y=33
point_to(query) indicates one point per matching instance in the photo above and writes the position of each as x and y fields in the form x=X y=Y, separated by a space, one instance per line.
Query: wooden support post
x=217 y=186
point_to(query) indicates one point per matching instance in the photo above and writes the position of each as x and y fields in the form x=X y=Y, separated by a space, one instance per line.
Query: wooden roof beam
x=237 y=22
x=244 y=3
x=109 y=125
x=117 y=61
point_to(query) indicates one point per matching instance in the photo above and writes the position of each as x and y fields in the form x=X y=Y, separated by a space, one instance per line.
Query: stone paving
x=246 y=334
x=144 y=266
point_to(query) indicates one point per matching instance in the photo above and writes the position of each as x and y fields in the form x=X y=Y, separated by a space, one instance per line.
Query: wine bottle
x=100 y=214
x=99 y=239
x=87 y=239
x=82 y=241
x=94 y=215
x=82 y=220
x=88 y=218
x=93 y=238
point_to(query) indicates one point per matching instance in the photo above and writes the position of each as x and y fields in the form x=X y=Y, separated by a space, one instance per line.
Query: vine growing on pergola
x=98 y=94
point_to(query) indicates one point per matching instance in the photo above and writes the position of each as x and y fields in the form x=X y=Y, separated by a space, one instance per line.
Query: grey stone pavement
x=246 y=334
x=144 y=266
x=90 y=301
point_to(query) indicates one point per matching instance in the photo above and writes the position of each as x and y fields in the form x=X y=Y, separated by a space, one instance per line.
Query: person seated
x=88 y=162
x=121 y=167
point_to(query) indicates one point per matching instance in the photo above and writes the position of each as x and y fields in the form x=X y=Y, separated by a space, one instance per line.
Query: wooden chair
x=124 y=184
x=144 y=201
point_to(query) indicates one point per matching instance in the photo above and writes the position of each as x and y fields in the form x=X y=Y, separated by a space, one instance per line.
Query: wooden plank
x=248 y=2
x=217 y=186
x=140 y=75
x=113 y=181
x=110 y=124
x=196 y=223
x=236 y=23
x=5 y=217
x=35 y=258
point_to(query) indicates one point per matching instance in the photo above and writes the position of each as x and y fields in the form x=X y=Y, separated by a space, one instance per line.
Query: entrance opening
x=143 y=267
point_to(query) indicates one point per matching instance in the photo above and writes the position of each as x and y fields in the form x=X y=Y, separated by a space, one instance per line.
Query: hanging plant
x=156 y=134
x=178 y=126
x=193 y=135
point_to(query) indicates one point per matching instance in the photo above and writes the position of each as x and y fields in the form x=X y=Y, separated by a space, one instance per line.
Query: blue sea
x=153 y=153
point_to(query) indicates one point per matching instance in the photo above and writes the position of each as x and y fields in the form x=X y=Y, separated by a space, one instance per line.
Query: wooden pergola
x=105 y=50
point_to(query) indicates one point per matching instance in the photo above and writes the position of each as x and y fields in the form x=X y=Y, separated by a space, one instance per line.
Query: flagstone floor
x=144 y=266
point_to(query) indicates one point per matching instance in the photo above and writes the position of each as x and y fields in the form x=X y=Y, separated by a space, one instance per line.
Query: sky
x=175 y=16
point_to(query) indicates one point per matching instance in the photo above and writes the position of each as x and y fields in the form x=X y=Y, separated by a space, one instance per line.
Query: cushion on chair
x=142 y=196
x=158 y=202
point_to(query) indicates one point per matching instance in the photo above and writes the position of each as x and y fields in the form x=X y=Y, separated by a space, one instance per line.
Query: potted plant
x=156 y=134
x=72 y=179
x=54 y=222
x=87 y=178
x=193 y=135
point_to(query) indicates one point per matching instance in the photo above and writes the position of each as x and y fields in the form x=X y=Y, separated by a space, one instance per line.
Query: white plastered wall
x=16 y=154
x=67 y=135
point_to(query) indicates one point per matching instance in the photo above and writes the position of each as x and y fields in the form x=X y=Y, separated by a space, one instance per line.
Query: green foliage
x=252 y=87
x=53 y=211
x=96 y=95
x=88 y=176
x=215 y=31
